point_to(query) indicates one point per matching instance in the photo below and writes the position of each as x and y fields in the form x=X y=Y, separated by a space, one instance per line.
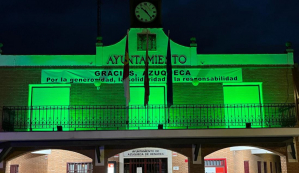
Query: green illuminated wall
x=44 y=97
x=237 y=95
x=276 y=88
x=157 y=98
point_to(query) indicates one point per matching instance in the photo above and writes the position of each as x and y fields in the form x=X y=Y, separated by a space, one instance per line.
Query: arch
x=113 y=150
x=42 y=162
x=233 y=158
x=277 y=149
x=149 y=148
x=18 y=153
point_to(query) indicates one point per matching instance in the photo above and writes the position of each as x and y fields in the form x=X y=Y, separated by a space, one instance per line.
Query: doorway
x=49 y=107
x=145 y=165
x=243 y=105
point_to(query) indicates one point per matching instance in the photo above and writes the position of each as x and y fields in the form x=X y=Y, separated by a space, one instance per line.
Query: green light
x=243 y=101
x=139 y=114
x=44 y=97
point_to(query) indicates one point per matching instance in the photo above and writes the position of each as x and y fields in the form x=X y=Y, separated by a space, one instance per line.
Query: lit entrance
x=148 y=160
x=151 y=165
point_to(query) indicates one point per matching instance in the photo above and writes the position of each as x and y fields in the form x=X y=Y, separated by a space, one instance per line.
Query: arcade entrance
x=145 y=165
x=148 y=160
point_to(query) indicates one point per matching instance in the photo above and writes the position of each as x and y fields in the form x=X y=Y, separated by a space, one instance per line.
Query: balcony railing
x=75 y=118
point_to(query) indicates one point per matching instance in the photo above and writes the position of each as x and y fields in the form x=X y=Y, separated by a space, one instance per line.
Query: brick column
x=196 y=168
x=97 y=169
x=100 y=169
x=293 y=167
x=2 y=170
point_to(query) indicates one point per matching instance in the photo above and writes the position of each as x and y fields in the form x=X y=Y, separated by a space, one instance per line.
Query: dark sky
x=220 y=26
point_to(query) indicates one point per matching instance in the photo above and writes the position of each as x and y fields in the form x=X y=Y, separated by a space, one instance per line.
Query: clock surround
x=154 y=22
x=146 y=12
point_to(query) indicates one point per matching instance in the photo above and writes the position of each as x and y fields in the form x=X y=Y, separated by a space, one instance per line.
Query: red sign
x=186 y=160
x=110 y=165
x=219 y=170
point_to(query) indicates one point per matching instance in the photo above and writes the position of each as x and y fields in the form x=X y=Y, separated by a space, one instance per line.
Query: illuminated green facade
x=85 y=92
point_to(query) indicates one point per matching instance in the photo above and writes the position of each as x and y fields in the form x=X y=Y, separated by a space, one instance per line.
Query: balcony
x=83 y=118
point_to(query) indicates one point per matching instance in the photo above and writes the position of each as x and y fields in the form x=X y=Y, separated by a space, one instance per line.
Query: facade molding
x=150 y=134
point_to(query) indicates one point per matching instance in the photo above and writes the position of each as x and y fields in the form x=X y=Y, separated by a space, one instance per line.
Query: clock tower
x=146 y=13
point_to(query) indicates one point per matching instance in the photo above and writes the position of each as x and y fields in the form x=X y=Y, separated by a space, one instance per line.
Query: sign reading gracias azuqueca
x=111 y=76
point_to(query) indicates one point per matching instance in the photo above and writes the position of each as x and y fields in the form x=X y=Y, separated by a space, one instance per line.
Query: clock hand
x=146 y=12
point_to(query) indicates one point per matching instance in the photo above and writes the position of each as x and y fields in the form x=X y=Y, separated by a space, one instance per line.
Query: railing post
x=30 y=123
x=127 y=117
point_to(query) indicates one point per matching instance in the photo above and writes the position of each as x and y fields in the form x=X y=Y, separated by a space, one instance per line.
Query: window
x=246 y=166
x=271 y=167
x=141 y=42
x=14 y=168
x=265 y=167
x=215 y=165
x=79 y=168
x=259 y=166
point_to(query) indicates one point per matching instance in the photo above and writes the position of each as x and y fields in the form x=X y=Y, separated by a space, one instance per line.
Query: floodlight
x=98 y=84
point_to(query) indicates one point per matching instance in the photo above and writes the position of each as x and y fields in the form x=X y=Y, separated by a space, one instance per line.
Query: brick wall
x=235 y=160
x=58 y=159
x=180 y=161
x=277 y=83
x=29 y=163
x=293 y=167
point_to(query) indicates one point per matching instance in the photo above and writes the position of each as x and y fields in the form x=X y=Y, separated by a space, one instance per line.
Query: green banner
x=216 y=75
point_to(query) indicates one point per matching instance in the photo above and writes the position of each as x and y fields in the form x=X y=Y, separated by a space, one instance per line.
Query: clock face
x=145 y=12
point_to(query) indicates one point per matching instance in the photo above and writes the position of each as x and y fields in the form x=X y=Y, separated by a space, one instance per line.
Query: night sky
x=220 y=26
